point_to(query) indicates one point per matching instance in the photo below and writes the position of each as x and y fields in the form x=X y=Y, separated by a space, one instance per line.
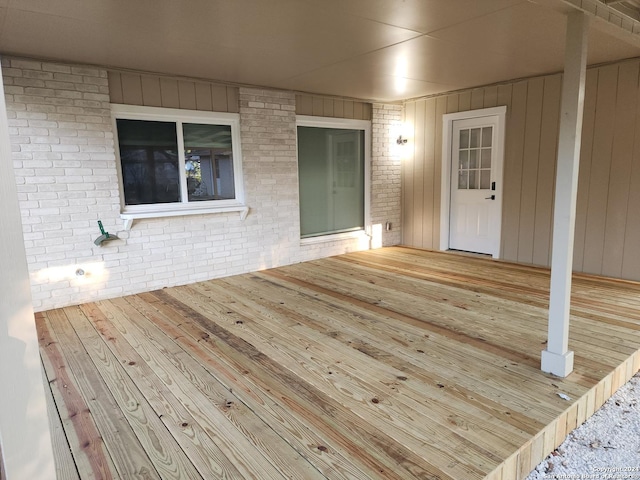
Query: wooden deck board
x=373 y=386
x=65 y=465
x=370 y=443
x=391 y=346
x=87 y=445
x=394 y=363
x=155 y=380
x=213 y=409
x=387 y=356
x=286 y=422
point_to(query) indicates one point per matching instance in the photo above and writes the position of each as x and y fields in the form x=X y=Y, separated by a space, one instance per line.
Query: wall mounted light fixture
x=401 y=141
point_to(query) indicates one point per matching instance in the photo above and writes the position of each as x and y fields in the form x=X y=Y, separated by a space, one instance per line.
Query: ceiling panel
x=420 y=15
x=525 y=31
x=356 y=80
x=250 y=45
x=370 y=49
x=246 y=23
x=605 y=48
x=630 y=8
x=534 y=34
x=425 y=59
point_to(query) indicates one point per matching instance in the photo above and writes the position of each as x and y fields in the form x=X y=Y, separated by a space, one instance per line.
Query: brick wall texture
x=65 y=165
x=386 y=194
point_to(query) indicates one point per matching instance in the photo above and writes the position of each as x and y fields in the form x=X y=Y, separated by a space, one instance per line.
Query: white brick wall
x=65 y=166
x=385 y=172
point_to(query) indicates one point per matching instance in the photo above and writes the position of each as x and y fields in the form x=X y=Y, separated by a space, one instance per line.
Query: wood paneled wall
x=320 y=106
x=608 y=215
x=158 y=91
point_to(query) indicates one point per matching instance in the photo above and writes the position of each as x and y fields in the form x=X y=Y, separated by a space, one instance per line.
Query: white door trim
x=445 y=200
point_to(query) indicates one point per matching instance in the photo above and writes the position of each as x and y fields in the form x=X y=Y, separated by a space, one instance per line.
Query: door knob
x=492 y=197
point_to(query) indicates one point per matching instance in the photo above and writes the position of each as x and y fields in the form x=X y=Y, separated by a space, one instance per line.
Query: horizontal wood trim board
x=393 y=363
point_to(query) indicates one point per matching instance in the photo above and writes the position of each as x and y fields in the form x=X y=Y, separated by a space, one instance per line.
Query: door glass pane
x=463 y=178
x=473 y=179
x=149 y=159
x=208 y=162
x=487 y=134
x=475 y=138
x=485 y=179
x=486 y=158
x=331 y=180
x=464 y=138
x=473 y=159
x=464 y=159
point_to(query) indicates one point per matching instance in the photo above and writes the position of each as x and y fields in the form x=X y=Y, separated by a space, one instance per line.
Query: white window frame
x=184 y=207
x=346 y=124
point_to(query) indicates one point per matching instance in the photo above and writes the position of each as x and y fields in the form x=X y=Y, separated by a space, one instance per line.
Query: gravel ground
x=605 y=447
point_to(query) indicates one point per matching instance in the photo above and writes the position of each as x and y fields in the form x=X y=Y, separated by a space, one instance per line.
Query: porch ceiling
x=372 y=49
x=630 y=8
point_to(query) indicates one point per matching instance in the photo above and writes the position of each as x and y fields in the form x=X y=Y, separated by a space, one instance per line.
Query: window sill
x=129 y=217
x=358 y=234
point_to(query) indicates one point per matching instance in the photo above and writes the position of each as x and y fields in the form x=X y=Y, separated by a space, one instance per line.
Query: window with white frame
x=333 y=171
x=175 y=160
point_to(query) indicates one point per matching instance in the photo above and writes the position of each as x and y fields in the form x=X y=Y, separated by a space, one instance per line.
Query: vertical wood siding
x=157 y=91
x=608 y=213
x=319 y=106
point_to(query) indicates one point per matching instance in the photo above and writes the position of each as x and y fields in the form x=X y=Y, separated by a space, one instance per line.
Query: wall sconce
x=401 y=141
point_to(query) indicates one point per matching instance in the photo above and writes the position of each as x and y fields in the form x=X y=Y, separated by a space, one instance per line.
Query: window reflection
x=208 y=162
x=149 y=159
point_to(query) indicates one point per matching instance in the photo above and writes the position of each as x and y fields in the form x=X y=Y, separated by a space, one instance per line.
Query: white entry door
x=475 y=185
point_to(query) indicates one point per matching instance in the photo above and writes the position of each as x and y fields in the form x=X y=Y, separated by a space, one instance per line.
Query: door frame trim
x=445 y=195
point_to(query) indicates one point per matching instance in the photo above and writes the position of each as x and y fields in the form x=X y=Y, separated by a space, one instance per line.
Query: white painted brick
x=29 y=82
x=52 y=67
x=64 y=148
x=69 y=94
x=78 y=183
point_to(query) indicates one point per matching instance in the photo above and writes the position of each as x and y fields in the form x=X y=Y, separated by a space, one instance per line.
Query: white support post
x=557 y=358
x=24 y=426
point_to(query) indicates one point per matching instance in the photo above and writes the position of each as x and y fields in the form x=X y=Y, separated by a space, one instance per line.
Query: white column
x=557 y=359
x=24 y=425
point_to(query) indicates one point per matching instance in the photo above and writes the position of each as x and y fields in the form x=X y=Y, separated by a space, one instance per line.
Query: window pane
x=149 y=159
x=463 y=180
x=485 y=179
x=486 y=158
x=475 y=138
x=331 y=180
x=208 y=162
x=487 y=133
x=473 y=179
x=464 y=159
x=473 y=159
x=464 y=138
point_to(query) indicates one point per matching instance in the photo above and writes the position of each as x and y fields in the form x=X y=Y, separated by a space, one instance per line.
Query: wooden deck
x=394 y=363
